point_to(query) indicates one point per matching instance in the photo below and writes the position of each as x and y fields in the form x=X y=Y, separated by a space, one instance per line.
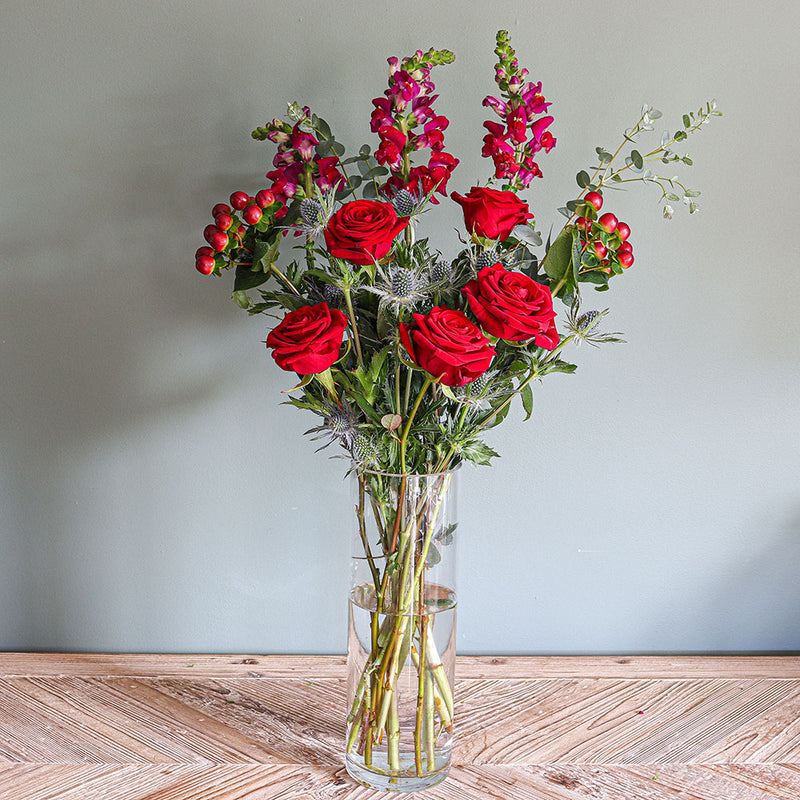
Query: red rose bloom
x=512 y=306
x=307 y=340
x=492 y=213
x=447 y=345
x=363 y=231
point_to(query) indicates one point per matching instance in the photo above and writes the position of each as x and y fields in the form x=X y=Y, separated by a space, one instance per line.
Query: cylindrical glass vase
x=401 y=644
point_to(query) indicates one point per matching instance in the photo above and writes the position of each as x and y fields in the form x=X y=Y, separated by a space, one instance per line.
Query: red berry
x=204 y=264
x=600 y=249
x=596 y=199
x=224 y=221
x=239 y=200
x=625 y=258
x=209 y=231
x=625 y=247
x=252 y=214
x=608 y=222
x=220 y=208
x=265 y=198
x=215 y=237
x=203 y=251
x=624 y=231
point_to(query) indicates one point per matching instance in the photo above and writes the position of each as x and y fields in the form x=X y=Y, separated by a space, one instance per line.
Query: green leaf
x=500 y=416
x=688 y=161
x=680 y=136
x=290 y=301
x=527 y=400
x=246 y=279
x=241 y=299
x=673 y=198
x=377 y=363
x=583 y=179
x=391 y=421
x=322 y=126
x=478 y=452
x=577 y=249
x=365 y=406
x=304 y=382
x=557 y=262
x=595 y=276
x=448 y=392
x=433 y=557
x=691 y=193
x=637 y=159
x=338 y=148
x=369 y=191
x=561 y=366
x=687 y=123
x=603 y=155
x=265 y=251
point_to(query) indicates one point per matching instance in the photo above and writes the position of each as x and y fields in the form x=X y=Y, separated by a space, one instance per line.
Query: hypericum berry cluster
x=604 y=238
x=507 y=144
x=226 y=236
x=406 y=122
x=297 y=166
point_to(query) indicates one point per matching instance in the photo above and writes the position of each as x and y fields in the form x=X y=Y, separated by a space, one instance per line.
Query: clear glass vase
x=401 y=644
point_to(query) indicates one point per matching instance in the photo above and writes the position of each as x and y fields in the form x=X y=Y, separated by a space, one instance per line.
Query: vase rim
x=383 y=474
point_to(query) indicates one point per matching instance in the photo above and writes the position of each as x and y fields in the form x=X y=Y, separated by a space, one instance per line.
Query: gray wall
x=154 y=495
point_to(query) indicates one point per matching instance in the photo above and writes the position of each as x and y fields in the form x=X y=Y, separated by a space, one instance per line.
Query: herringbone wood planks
x=100 y=727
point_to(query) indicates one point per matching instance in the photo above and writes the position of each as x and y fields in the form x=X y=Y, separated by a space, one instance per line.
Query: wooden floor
x=140 y=727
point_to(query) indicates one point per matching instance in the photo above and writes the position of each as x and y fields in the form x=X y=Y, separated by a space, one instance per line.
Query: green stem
x=282 y=277
x=310 y=260
x=353 y=326
x=407 y=396
x=407 y=429
x=362 y=532
x=423 y=632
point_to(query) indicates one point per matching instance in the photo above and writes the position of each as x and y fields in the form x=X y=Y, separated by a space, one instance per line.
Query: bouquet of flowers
x=408 y=356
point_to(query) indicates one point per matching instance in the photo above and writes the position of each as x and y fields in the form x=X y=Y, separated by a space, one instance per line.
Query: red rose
x=363 y=231
x=512 y=306
x=307 y=340
x=492 y=213
x=447 y=345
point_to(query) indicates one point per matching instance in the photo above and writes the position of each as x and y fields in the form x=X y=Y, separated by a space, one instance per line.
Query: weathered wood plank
x=156 y=728
x=264 y=782
x=468 y=667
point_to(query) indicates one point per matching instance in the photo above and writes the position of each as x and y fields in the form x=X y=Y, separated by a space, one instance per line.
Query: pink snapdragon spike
x=523 y=132
x=407 y=106
x=296 y=159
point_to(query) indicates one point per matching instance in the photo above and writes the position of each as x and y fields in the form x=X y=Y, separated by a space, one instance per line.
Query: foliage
x=381 y=397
